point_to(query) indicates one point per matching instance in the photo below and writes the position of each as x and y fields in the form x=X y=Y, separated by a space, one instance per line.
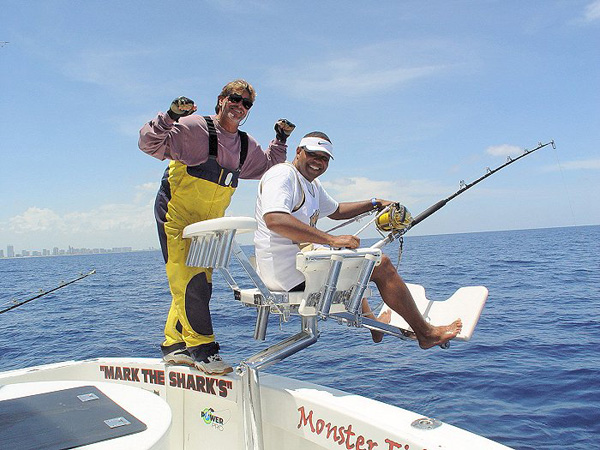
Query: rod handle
x=429 y=211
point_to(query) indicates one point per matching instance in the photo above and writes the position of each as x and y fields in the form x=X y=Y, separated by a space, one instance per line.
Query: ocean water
x=529 y=378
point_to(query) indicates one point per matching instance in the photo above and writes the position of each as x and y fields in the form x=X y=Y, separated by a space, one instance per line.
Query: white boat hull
x=200 y=411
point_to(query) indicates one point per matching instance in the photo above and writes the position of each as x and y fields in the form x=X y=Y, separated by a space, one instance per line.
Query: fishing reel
x=393 y=218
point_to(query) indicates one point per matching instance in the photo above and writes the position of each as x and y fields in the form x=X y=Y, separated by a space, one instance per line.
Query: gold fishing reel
x=394 y=218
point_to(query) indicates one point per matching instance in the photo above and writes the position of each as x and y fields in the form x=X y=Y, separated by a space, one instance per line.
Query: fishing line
x=562 y=176
x=16 y=304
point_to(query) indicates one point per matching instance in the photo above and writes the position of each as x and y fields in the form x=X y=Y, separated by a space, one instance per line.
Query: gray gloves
x=180 y=107
x=283 y=129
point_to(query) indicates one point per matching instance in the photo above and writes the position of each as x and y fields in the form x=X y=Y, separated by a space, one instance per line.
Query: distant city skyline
x=56 y=251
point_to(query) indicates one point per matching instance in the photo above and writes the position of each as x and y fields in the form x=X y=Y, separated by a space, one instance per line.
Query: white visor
x=315 y=144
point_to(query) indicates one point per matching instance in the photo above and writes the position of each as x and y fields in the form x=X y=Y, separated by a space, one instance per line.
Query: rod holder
x=225 y=249
x=330 y=287
x=211 y=250
x=262 y=320
x=361 y=284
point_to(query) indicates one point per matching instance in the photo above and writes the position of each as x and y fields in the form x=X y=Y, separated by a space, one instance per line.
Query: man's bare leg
x=396 y=295
x=377 y=336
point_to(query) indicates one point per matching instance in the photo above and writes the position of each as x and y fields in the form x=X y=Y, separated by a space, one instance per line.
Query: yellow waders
x=189 y=195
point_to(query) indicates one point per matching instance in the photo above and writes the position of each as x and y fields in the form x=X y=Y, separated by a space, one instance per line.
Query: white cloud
x=358 y=188
x=366 y=70
x=408 y=192
x=504 y=150
x=34 y=220
x=356 y=79
x=115 y=69
x=592 y=11
x=125 y=224
x=105 y=67
x=145 y=192
x=112 y=217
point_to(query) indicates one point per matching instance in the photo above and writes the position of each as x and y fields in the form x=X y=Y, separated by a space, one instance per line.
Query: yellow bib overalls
x=190 y=194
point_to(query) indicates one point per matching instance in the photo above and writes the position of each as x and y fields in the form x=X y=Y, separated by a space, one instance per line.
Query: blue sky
x=415 y=95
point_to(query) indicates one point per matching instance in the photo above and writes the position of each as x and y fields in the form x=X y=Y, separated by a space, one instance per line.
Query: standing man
x=290 y=201
x=208 y=155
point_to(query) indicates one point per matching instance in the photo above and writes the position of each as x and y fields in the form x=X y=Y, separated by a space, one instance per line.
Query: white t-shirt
x=284 y=189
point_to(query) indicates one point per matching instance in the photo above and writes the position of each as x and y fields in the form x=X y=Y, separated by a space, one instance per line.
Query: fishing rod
x=392 y=217
x=62 y=285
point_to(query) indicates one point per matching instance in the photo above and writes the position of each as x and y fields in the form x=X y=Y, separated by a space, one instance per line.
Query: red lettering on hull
x=343 y=435
x=188 y=381
x=338 y=434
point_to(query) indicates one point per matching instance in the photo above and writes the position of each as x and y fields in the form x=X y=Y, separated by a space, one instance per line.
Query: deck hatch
x=63 y=419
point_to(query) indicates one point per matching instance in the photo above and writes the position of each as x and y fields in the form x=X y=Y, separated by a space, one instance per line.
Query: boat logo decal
x=216 y=419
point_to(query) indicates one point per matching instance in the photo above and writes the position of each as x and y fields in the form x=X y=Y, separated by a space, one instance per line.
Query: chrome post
x=204 y=247
x=251 y=407
x=189 y=261
x=330 y=286
x=366 y=270
x=247 y=266
x=228 y=278
x=262 y=320
x=212 y=247
x=248 y=372
x=218 y=251
x=193 y=250
x=221 y=246
x=223 y=259
x=200 y=242
x=287 y=347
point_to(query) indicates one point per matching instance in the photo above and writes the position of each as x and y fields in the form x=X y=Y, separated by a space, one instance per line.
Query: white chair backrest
x=212 y=240
x=316 y=267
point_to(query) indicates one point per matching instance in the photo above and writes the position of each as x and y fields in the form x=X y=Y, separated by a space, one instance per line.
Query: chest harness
x=211 y=170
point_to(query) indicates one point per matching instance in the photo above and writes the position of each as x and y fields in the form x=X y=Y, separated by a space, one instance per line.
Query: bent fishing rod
x=397 y=225
x=392 y=217
x=62 y=285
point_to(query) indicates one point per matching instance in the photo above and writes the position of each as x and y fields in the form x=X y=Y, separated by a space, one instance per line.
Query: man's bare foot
x=377 y=336
x=440 y=335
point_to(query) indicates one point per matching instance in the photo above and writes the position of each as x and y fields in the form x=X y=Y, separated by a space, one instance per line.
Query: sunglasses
x=314 y=155
x=236 y=98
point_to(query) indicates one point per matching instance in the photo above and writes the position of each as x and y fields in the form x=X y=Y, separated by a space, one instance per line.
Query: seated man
x=290 y=201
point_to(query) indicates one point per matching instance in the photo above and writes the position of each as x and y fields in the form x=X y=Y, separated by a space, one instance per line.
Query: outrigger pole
x=397 y=233
x=62 y=285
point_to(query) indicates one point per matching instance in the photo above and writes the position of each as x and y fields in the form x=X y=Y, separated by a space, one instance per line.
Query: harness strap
x=213 y=142
x=244 y=150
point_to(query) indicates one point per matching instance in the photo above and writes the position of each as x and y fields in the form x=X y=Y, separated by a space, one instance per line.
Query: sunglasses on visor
x=236 y=98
